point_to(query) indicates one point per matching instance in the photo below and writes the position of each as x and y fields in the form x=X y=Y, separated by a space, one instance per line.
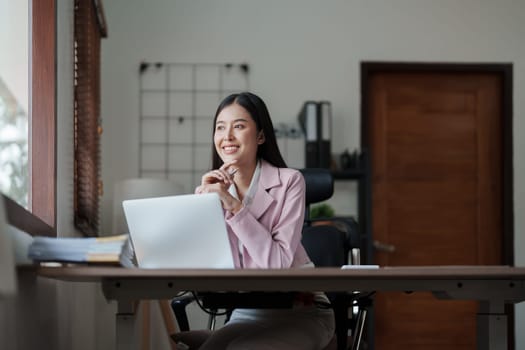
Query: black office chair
x=338 y=236
x=327 y=246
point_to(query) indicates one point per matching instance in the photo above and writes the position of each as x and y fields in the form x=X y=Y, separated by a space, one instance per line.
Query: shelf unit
x=362 y=176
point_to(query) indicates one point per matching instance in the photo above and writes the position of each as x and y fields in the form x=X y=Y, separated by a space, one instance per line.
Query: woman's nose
x=228 y=135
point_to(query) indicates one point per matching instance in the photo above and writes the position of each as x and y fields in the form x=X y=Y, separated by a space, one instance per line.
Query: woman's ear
x=261 y=138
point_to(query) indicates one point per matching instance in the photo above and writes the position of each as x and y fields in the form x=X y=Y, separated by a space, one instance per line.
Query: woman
x=263 y=202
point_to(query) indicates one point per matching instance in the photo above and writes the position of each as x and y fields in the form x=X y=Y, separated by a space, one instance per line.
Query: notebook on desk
x=184 y=231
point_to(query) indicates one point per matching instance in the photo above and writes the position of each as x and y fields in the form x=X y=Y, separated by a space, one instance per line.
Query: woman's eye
x=239 y=126
x=219 y=127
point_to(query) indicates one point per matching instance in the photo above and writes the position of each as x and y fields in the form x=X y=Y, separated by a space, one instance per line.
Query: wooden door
x=436 y=151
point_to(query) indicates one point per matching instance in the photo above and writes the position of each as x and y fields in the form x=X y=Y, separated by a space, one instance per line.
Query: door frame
x=505 y=71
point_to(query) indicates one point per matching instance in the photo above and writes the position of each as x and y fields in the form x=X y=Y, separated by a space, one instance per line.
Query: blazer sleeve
x=273 y=247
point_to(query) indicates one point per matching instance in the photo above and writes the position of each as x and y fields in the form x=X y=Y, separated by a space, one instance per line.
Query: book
x=113 y=250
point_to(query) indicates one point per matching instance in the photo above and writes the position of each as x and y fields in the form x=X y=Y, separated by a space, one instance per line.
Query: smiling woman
x=37 y=214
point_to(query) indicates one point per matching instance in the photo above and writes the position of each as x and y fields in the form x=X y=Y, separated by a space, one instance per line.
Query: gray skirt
x=303 y=327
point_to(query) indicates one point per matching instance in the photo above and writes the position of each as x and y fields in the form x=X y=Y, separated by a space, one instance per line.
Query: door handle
x=384 y=247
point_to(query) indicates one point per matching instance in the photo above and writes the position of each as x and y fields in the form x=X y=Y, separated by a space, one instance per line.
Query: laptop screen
x=183 y=231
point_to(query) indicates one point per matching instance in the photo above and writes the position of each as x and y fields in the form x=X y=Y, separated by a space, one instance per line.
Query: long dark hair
x=269 y=150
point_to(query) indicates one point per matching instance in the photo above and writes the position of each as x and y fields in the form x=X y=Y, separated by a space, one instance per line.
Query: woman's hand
x=222 y=175
x=228 y=202
x=219 y=181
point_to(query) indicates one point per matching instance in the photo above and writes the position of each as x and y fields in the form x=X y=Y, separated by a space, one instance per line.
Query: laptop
x=183 y=231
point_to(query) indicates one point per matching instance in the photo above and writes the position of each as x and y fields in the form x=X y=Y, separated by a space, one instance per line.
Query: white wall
x=299 y=50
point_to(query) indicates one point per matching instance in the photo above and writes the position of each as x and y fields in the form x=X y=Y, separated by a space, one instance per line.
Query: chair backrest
x=325 y=244
x=319 y=187
x=319 y=184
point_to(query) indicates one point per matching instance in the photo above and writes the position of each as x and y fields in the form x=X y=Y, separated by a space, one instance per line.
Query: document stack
x=114 y=250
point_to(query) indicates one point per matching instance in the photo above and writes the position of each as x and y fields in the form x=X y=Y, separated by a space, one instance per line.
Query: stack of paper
x=114 y=250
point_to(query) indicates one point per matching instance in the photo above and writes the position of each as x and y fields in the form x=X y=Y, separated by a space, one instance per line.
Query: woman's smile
x=230 y=149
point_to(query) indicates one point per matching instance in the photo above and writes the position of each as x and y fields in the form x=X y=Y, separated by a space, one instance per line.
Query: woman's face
x=236 y=136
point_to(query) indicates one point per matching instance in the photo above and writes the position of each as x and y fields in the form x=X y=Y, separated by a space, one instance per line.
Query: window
x=40 y=215
x=14 y=100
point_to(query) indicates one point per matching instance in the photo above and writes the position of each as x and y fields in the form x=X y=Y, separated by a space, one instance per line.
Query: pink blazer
x=270 y=228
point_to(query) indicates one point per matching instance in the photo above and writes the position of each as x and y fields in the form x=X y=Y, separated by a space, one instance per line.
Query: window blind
x=89 y=29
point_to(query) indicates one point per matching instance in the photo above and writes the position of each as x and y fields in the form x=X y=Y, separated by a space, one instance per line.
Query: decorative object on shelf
x=345 y=159
x=350 y=160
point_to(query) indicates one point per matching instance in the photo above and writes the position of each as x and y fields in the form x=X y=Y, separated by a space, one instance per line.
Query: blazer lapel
x=262 y=200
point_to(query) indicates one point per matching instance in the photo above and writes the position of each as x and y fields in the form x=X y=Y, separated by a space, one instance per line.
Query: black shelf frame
x=362 y=175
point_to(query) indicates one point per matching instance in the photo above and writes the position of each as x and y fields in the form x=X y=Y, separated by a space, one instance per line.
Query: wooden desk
x=493 y=286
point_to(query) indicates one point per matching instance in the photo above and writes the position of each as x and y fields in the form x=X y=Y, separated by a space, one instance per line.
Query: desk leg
x=125 y=327
x=169 y=321
x=492 y=326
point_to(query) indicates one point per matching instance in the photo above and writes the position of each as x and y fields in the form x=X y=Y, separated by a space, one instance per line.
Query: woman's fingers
x=212 y=177
x=228 y=170
x=218 y=187
x=224 y=174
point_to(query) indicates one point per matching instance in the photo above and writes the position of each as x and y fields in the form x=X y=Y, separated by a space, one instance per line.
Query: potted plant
x=322 y=210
